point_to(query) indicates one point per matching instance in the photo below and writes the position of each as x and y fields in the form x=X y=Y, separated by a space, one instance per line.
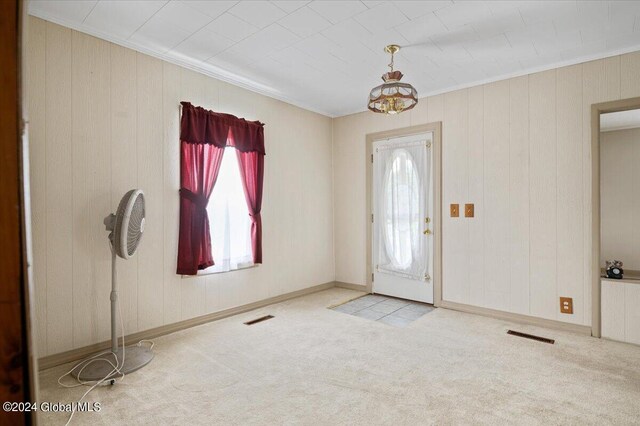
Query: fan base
x=135 y=357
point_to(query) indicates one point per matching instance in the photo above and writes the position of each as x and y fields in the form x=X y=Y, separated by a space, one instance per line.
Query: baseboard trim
x=54 y=360
x=80 y=353
x=350 y=286
x=493 y=313
x=524 y=319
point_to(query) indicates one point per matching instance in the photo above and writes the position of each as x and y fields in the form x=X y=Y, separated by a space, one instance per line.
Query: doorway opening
x=616 y=258
x=614 y=125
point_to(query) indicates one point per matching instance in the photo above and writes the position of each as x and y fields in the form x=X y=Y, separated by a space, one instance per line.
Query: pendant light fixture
x=392 y=97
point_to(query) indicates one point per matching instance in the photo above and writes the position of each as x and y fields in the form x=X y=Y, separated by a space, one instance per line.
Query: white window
x=229 y=219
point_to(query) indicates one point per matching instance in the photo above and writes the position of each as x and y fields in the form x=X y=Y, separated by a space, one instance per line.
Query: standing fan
x=126 y=228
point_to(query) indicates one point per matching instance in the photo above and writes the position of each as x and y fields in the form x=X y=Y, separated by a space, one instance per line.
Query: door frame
x=436 y=128
x=17 y=362
x=596 y=283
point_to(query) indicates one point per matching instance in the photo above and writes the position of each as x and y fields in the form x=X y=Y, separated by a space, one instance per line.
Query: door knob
x=427 y=231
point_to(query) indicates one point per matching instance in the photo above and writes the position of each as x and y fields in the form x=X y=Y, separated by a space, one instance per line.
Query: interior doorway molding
x=436 y=128
x=596 y=111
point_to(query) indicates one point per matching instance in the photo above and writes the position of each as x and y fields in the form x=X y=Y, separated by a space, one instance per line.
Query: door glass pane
x=401 y=208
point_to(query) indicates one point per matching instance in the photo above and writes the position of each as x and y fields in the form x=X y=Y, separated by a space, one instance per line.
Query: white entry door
x=402 y=217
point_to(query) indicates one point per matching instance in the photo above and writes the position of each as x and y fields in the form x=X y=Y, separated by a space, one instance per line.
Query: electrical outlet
x=566 y=305
x=454 y=210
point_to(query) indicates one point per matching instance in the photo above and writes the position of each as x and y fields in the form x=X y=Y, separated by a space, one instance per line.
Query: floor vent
x=531 y=336
x=257 y=320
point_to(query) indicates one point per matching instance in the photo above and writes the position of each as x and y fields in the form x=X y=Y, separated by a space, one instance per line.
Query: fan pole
x=114 y=301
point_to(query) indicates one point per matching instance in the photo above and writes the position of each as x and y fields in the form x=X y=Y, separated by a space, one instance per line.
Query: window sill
x=204 y=272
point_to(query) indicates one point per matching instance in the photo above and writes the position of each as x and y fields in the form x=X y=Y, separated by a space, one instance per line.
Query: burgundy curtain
x=203 y=136
x=252 y=170
x=200 y=164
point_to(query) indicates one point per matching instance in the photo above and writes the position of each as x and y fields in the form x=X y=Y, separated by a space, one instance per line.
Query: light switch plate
x=468 y=210
x=454 y=210
x=566 y=305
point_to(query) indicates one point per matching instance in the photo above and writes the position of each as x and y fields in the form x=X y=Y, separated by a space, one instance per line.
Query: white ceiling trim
x=248 y=84
x=211 y=70
x=528 y=71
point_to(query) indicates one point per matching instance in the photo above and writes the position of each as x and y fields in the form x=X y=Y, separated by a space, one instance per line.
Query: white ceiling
x=326 y=55
x=620 y=120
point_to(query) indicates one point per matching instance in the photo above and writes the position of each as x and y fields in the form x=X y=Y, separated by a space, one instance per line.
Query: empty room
x=319 y=212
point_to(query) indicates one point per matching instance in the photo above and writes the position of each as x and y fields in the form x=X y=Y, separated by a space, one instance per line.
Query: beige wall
x=520 y=150
x=104 y=119
x=620 y=197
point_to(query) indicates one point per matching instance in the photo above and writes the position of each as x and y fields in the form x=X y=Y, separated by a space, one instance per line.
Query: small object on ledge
x=614 y=269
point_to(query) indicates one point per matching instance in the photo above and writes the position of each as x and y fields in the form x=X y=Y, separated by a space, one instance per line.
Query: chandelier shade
x=392 y=97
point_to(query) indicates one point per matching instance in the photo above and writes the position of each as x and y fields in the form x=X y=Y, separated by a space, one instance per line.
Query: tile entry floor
x=389 y=310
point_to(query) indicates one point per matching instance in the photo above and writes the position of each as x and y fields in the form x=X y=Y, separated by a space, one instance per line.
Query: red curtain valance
x=200 y=125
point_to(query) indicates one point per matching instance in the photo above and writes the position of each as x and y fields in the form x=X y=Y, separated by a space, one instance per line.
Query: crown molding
x=521 y=73
x=253 y=86
x=210 y=70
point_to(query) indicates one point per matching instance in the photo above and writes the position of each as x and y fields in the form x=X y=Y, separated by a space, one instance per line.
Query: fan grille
x=129 y=223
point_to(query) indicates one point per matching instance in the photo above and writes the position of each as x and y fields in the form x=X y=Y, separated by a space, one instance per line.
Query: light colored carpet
x=311 y=365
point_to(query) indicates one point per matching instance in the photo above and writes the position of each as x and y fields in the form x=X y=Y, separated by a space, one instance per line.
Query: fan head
x=129 y=224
